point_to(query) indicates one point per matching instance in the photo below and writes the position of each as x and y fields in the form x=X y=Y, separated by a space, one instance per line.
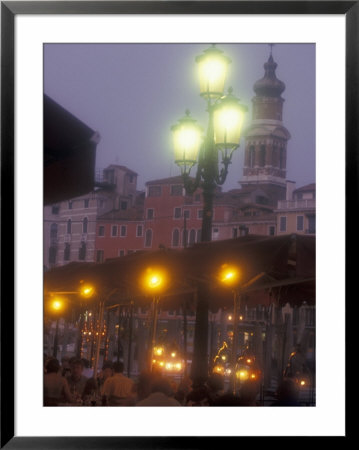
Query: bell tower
x=266 y=138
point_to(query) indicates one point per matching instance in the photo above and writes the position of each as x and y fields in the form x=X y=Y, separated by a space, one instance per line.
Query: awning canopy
x=69 y=154
x=279 y=268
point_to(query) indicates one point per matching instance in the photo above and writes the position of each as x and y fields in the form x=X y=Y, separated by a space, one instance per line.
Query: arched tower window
x=69 y=224
x=251 y=156
x=262 y=156
x=282 y=158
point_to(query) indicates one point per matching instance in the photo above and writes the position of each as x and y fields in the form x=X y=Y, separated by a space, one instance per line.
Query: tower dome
x=269 y=85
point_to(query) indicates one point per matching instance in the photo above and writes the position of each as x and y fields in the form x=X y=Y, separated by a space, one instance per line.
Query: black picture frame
x=9 y=10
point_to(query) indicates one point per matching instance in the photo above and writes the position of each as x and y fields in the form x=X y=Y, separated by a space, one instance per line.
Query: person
x=199 y=396
x=78 y=383
x=118 y=389
x=143 y=385
x=297 y=363
x=87 y=370
x=215 y=385
x=161 y=394
x=287 y=393
x=56 y=388
x=183 y=389
x=248 y=393
x=65 y=366
x=106 y=372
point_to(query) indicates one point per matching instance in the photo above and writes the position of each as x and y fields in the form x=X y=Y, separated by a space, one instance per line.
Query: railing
x=296 y=204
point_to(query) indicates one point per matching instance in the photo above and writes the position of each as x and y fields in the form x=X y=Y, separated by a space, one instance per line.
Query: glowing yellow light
x=173 y=354
x=57 y=305
x=249 y=361
x=162 y=363
x=228 y=274
x=212 y=69
x=229 y=317
x=218 y=369
x=302 y=382
x=253 y=376
x=158 y=351
x=179 y=366
x=240 y=317
x=242 y=375
x=154 y=279
x=224 y=357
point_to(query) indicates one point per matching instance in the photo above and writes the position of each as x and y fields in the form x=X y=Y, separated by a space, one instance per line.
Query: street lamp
x=226 y=116
x=230 y=276
x=56 y=307
x=154 y=281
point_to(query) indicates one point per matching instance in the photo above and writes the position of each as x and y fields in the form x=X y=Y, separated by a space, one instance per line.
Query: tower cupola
x=269 y=85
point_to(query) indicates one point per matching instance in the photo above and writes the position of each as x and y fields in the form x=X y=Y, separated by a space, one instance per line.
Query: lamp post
x=56 y=307
x=154 y=281
x=226 y=116
x=230 y=276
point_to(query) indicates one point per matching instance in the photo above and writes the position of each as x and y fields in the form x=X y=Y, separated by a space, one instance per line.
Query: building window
x=82 y=251
x=154 y=191
x=251 y=156
x=192 y=237
x=199 y=235
x=123 y=230
x=148 y=238
x=52 y=254
x=262 y=156
x=121 y=253
x=101 y=230
x=234 y=233
x=215 y=232
x=177 y=213
x=200 y=214
x=84 y=225
x=123 y=205
x=283 y=224
x=114 y=230
x=300 y=223
x=139 y=231
x=55 y=209
x=69 y=225
x=311 y=224
x=86 y=203
x=70 y=204
x=176 y=190
x=131 y=178
x=150 y=213
x=175 y=238
x=99 y=256
x=53 y=232
x=271 y=230
x=186 y=213
x=67 y=250
x=282 y=158
x=197 y=198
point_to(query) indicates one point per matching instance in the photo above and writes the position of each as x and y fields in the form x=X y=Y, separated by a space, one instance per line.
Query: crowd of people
x=72 y=383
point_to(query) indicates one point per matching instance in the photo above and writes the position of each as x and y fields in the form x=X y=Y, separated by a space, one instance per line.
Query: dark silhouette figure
x=287 y=394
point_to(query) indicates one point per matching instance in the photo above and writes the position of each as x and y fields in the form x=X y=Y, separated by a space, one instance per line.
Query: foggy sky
x=133 y=93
